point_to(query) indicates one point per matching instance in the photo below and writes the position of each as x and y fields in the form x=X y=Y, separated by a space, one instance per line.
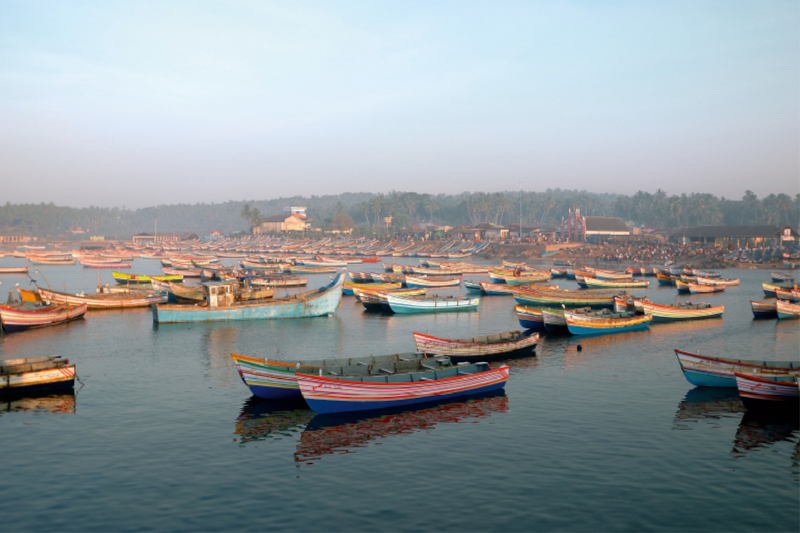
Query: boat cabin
x=220 y=294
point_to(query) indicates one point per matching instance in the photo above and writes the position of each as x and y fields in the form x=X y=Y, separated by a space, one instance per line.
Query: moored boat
x=136 y=279
x=705 y=371
x=695 y=288
x=13 y=270
x=616 y=283
x=759 y=393
x=530 y=318
x=103 y=301
x=431 y=282
x=32 y=313
x=764 y=309
x=584 y=324
x=479 y=348
x=35 y=375
x=431 y=304
x=787 y=310
x=679 y=311
x=348 y=287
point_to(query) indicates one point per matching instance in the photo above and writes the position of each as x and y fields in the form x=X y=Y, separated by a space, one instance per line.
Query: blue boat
x=704 y=371
x=431 y=304
x=530 y=318
x=473 y=286
x=219 y=305
x=592 y=324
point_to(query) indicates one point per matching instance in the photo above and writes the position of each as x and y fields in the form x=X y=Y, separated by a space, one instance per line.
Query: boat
x=431 y=304
x=563 y=298
x=13 y=270
x=764 y=309
x=618 y=283
x=530 y=318
x=609 y=275
x=136 y=279
x=682 y=286
x=344 y=394
x=277 y=380
x=494 y=289
x=103 y=264
x=787 y=295
x=50 y=261
x=769 y=289
x=376 y=300
x=585 y=324
x=718 y=281
x=480 y=348
x=348 y=287
x=103 y=301
x=430 y=282
x=35 y=375
x=280 y=281
x=777 y=277
x=32 y=313
x=705 y=371
x=666 y=279
x=473 y=286
x=679 y=311
x=695 y=288
x=220 y=305
x=787 y=310
x=312 y=270
x=770 y=395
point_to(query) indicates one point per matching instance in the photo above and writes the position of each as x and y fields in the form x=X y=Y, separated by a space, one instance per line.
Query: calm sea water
x=164 y=435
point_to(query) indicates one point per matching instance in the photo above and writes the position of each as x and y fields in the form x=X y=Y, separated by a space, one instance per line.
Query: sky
x=144 y=103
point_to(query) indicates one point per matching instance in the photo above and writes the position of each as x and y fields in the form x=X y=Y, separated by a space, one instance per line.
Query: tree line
x=368 y=211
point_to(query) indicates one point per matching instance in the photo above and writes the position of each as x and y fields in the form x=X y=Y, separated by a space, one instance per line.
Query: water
x=163 y=435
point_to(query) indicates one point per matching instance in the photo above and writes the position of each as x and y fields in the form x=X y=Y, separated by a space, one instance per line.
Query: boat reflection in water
x=342 y=433
x=329 y=434
x=50 y=404
x=756 y=431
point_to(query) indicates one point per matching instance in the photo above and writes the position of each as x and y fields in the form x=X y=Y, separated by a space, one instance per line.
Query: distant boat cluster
x=603 y=302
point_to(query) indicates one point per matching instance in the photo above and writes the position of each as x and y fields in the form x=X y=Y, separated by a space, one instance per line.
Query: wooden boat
x=481 y=348
x=13 y=270
x=666 y=279
x=718 y=281
x=770 y=288
x=585 y=324
x=682 y=286
x=320 y=264
x=349 y=287
x=429 y=282
x=51 y=261
x=32 y=313
x=564 y=262
x=610 y=275
x=280 y=281
x=705 y=371
x=695 y=288
x=345 y=394
x=679 y=311
x=787 y=295
x=494 y=289
x=768 y=394
x=35 y=375
x=220 y=305
x=136 y=279
x=777 y=277
x=431 y=304
x=558 y=272
x=787 y=310
x=311 y=270
x=360 y=277
x=571 y=299
x=618 y=283
x=473 y=286
x=376 y=300
x=530 y=318
x=271 y=267
x=183 y=272
x=277 y=380
x=554 y=321
x=103 y=301
x=103 y=264
x=764 y=309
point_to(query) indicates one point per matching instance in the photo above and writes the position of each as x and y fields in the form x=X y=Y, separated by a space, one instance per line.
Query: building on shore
x=149 y=238
x=738 y=236
x=578 y=228
x=284 y=222
x=17 y=239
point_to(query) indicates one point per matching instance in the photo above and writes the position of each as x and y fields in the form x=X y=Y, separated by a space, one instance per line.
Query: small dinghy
x=481 y=348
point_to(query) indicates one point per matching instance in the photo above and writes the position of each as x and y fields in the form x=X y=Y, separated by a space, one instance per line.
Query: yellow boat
x=134 y=279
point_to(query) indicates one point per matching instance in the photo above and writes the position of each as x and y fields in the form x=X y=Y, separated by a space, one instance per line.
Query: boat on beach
x=479 y=348
x=35 y=375
x=705 y=371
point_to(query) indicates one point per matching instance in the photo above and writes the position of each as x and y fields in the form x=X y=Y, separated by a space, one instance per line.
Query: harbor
x=611 y=414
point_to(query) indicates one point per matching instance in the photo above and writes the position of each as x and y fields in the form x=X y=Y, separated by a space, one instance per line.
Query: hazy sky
x=144 y=103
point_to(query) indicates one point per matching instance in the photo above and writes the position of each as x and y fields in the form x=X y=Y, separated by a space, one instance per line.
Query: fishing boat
x=777 y=277
x=558 y=272
x=666 y=279
x=31 y=312
x=480 y=348
x=564 y=262
x=311 y=270
x=280 y=281
x=618 y=283
x=768 y=394
x=374 y=300
x=554 y=321
x=610 y=275
x=718 y=281
x=103 y=301
x=220 y=305
x=344 y=394
x=103 y=264
x=787 y=310
x=349 y=287
x=563 y=298
x=494 y=289
x=695 y=288
x=473 y=286
x=705 y=371
x=360 y=277
x=788 y=295
x=136 y=279
x=35 y=375
x=51 y=260
x=769 y=289
x=431 y=304
x=764 y=309
x=277 y=380
x=530 y=318
x=431 y=282
x=586 y=324
x=679 y=311
x=13 y=270
x=682 y=286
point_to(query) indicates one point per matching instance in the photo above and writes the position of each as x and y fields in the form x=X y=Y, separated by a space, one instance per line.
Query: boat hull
x=18 y=320
x=704 y=371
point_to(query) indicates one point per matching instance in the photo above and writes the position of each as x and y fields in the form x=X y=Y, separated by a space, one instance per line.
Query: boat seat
x=382 y=368
x=385 y=358
x=398 y=378
x=332 y=370
x=356 y=370
x=407 y=366
x=338 y=362
x=447 y=373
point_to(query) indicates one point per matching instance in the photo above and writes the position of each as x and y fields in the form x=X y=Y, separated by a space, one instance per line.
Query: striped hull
x=91 y=264
x=17 y=320
x=415 y=282
x=530 y=318
x=97 y=302
x=666 y=313
x=787 y=310
x=414 y=306
x=325 y=395
x=461 y=351
x=38 y=380
x=493 y=289
x=705 y=289
x=759 y=393
x=615 y=284
x=580 y=325
x=554 y=321
x=13 y=270
x=265 y=381
x=557 y=301
x=703 y=371
x=764 y=310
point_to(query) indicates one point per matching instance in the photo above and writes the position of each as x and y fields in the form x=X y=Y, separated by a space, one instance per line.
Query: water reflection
x=341 y=434
x=757 y=432
x=51 y=404
x=709 y=404
x=263 y=420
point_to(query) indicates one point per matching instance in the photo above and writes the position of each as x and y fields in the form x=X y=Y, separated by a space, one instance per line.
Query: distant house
x=741 y=236
x=605 y=227
x=492 y=231
x=284 y=222
x=146 y=238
